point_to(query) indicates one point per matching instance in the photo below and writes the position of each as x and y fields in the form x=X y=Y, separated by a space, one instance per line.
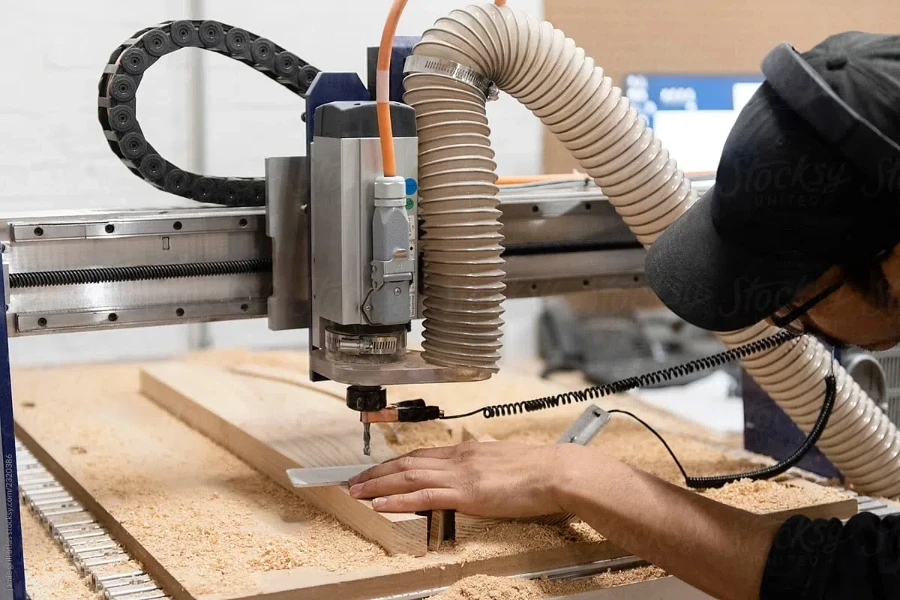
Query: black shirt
x=812 y=559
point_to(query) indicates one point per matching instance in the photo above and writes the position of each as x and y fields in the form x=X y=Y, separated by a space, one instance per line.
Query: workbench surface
x=216 y=528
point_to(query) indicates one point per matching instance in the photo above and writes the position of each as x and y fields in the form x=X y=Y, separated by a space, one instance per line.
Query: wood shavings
x=770 y=496
x=163 y=481
x=513 y=538
x=48 y=573
x=406 y=437
x=606 y=580
x=229 y=520
x=631 y=443
x=484 y=587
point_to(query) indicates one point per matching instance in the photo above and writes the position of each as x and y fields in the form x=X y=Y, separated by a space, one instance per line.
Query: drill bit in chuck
x=367 y=438
x=366 y=399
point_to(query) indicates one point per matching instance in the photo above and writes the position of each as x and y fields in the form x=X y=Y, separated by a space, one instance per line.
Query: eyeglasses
x=788 y=317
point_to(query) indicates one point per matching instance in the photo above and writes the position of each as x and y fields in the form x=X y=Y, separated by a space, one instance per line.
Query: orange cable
x=383 y=86
x=519 y=179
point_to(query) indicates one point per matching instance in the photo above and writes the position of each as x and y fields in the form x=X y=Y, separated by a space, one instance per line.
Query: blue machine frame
x=13 y=564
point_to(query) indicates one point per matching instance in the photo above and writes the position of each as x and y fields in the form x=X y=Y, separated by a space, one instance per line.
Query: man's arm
x=714 y=547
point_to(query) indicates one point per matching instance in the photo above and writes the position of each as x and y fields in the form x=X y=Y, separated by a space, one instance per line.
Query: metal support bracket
x=586 y=427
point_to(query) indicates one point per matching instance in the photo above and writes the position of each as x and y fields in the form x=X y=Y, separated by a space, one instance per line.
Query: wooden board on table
x=449 y=525
x=205 y=525
x=274 y=427
x=443 y=525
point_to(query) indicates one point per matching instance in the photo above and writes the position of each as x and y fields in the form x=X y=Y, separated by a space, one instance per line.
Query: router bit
x=366 y=399
x=367 y=438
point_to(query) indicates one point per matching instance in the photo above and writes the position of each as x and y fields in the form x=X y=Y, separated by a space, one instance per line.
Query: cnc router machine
x=344 y=244
x=312 y=246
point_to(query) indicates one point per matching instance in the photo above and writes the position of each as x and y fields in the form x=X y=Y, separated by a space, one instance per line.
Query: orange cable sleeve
x=383 y=91
x=383 y=85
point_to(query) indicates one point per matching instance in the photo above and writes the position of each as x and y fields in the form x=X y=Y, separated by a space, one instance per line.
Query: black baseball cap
x=809 y=178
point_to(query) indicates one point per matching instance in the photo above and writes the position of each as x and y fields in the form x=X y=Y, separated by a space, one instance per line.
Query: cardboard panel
x=701 y=36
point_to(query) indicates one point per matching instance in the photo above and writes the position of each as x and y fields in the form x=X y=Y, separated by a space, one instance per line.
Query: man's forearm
x=716 y=548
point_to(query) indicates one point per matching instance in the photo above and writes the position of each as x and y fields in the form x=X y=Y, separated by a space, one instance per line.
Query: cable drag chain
x=117 y=104
x=85 y=542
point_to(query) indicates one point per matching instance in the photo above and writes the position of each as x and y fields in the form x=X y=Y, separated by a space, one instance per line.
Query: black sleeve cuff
x=813 y=559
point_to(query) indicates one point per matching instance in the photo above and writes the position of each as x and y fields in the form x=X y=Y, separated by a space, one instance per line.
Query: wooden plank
x=274 y=427
x=461 y=527
x=466 y=526
x=204 y=524
x=439 y=528
x=291 y=376
x=203 y=519
x=469 y=436
x=363 y=586
x=444 y=525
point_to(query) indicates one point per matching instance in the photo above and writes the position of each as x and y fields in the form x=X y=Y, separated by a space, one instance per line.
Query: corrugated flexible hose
x=463 y=270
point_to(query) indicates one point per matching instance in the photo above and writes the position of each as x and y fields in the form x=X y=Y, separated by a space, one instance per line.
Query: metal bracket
x=586 y=427
x=287 y=196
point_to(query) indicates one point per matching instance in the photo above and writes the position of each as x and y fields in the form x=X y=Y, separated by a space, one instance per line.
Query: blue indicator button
x=411 y=186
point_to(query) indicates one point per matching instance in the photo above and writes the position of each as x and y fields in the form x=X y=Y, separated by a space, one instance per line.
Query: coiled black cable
x=672 y=373
x=769 y=472
x=624 y=385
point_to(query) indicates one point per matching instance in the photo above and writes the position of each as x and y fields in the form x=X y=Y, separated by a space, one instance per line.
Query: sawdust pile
x=769 y=496
x=164 y=481
x=406 y=437
x=48 y=573
x=485 y=587
x=631 y=443
x=606 y=580
x=513 y=538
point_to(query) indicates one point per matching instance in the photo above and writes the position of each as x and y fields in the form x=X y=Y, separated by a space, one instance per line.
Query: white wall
x=53 y=155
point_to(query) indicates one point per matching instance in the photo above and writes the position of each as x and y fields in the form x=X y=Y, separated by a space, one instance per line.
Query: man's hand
x=490 y=479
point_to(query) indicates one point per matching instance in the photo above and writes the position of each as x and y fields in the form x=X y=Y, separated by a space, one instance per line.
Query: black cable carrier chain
x=118 y=112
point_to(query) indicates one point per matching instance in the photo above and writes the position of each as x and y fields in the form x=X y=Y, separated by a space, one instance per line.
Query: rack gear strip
x=90 y=547
x=118 y=103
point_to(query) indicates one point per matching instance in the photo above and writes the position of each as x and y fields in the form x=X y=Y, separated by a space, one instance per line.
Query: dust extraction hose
x=463 y=270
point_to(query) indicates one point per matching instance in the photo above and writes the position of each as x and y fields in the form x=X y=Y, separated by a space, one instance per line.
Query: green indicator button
x=409 y=203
